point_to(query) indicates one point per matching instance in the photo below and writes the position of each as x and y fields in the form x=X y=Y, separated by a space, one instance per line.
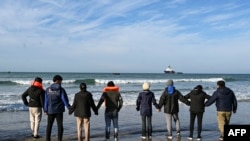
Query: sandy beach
x=14 y=126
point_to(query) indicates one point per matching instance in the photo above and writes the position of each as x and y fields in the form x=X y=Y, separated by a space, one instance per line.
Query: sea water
x=13 y=84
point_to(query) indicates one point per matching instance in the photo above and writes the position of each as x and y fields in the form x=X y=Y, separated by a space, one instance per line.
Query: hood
x=55 y=86
x=224 y=91
x=170 y=89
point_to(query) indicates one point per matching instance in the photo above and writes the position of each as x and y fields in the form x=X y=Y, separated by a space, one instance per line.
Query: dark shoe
x=36 y=137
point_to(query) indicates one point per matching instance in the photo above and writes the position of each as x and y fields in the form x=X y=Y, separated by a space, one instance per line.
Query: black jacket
x=144 y=103
x=170 y=101
x=83 y=102
x=36 y=97
x=197 y=99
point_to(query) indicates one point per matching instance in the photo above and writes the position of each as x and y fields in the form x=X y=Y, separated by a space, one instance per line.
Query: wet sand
x=14 y=126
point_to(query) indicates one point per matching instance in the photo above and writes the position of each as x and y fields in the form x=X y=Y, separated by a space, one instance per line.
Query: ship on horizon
x=169 y=70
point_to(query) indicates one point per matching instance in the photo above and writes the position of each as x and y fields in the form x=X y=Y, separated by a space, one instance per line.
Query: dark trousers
x=59 y=120
x=199 y=122
x=146 y=125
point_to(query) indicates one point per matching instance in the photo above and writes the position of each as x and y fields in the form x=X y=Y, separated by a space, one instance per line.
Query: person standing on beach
x=54 y=106
x=226 y=103
x=144 y=103
x=36 y=98
x=197 y=99
x=169 y=99
x=83 y=102
x=113 y=102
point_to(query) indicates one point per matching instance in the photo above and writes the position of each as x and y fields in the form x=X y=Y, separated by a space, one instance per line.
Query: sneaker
x=198 y=139
x=143 y=137
x=150 y=137
x=36 y=137
x=190 y=138
x=221 y=138
x=178 y=134
x=170 y=137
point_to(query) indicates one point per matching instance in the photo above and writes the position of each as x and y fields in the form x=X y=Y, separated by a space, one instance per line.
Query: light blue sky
x=193 y=36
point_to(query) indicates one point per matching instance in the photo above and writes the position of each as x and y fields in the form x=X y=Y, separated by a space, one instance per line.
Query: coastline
x=15 y=125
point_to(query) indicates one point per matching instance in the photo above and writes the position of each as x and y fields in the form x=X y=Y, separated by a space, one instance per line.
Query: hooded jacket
x=197 y=98
x=144 y=102
x=55 y=99
x=170 y=98
x=225 y=100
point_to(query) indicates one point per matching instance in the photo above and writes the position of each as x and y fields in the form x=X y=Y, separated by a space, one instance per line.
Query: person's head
x=198 y=88
x=221 y=83
x=110 y=84
x=145 y=86
x=170 y=83
x=83 y=86
x=38 y=79
x=57 y=79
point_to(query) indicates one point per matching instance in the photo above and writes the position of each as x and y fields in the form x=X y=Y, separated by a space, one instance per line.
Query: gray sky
x=144 y=36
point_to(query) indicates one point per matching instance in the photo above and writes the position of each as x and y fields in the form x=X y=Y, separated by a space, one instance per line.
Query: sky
x=125 y=36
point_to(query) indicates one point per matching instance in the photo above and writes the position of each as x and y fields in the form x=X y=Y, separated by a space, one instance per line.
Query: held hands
x=159 y=110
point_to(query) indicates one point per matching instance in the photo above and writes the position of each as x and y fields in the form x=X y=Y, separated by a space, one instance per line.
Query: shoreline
x=15 y=125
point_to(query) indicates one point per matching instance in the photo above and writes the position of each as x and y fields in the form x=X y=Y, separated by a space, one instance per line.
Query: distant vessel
x=169 y=70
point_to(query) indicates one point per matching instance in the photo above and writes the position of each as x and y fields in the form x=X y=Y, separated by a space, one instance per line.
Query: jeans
x=146 y=125
x=111 y=116
x=59 y=120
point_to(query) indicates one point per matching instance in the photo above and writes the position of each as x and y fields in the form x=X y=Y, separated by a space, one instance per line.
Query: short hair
x=38 y=79
x=57 y=77
x=110 y=84
x=221 y=83
x=83 y=86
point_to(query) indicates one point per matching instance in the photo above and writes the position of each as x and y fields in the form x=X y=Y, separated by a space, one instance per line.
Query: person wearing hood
x=197 y=99
x=36 y=98
x=56 y=100
x=226 y=103
x=169 y=99
x=144 y=103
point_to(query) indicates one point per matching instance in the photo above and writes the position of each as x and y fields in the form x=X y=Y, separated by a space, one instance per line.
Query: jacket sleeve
x=120 y=104
x=92 y=103
x=211 y=100
x=24 y=98
x=65 y=99
x=138 y=102
x=42 y=98
x=154 y=102
x=101 y=101
x=45 y=106
x=183 y=99
x=234 y=102
x=72 y=108
x=162 y=100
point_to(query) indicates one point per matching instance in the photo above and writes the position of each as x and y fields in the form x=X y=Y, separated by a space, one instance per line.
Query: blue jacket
x=144 y=103
x=225 y=100
x=55 y=99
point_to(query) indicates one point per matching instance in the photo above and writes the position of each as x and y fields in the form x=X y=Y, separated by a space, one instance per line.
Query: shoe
x=178 y=134
x=36 y=137
x=221 y=138
x=190 y=138
x=198 y=139
x=143 y=137
x=150 y=137
x=170 y=137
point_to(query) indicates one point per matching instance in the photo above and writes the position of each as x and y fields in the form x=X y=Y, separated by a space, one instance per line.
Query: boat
x=169 y=70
